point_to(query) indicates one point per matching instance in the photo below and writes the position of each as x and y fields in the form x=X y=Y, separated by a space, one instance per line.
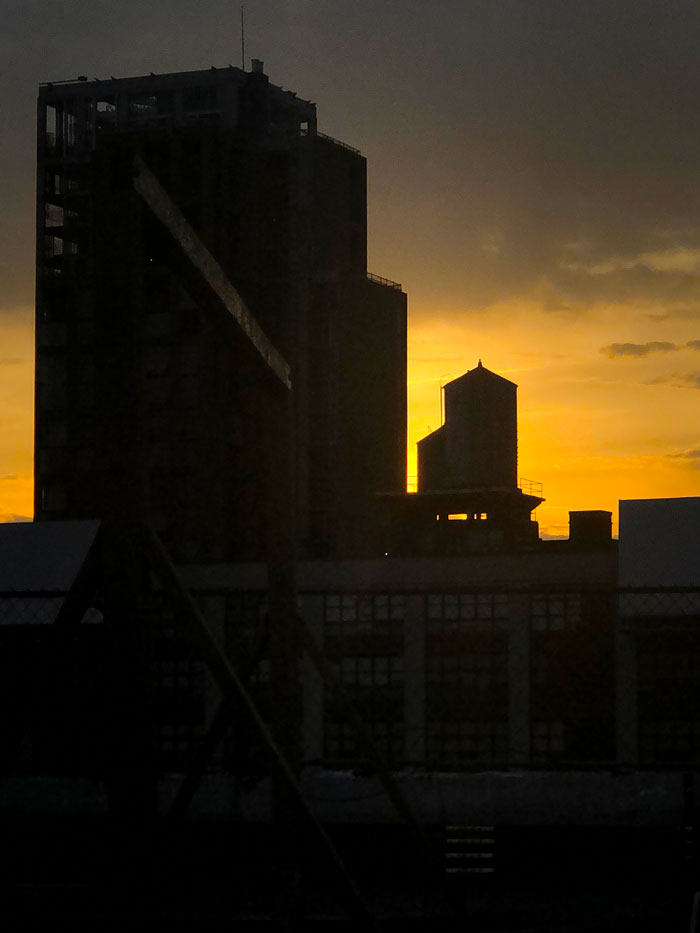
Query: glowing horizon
x=594 y=427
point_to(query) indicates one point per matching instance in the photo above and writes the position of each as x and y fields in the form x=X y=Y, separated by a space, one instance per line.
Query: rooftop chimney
x=256 y=66
x=590 y=529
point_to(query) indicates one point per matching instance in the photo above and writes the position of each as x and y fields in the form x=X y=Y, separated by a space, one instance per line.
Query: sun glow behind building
x=588 y=434
x=540 y=209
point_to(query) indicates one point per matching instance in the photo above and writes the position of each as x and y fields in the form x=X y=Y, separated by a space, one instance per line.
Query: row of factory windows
x=350 y=613
x=447 y=744
x=448 y=739
x=377 y=681
x=457 y=730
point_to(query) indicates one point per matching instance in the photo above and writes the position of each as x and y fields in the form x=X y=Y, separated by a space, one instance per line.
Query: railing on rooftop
x=530 y=487
x=382 y=281
x=338 y=142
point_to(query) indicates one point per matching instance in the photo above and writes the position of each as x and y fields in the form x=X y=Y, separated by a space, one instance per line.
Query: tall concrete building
x=121 y=321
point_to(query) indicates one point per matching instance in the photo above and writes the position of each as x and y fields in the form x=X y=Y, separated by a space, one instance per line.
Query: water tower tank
x=481 y=430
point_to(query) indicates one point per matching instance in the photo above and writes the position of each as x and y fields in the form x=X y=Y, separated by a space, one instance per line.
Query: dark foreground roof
x=43 y=556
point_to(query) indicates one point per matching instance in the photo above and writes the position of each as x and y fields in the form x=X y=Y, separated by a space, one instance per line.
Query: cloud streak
x=614 y=350
x=681 y=380
x=680 y=314
x=638 y=349
x=690 y=457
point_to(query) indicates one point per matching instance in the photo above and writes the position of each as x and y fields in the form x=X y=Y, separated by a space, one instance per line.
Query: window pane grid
x=548 y=741
x=452 y=743
x=555 y=612
x=452 y=612
x=341 y=745
x=345 y=613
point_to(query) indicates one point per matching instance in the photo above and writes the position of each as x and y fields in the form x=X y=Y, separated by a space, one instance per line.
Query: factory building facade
x=121 y=323
x=463 y=663
x=574 y=656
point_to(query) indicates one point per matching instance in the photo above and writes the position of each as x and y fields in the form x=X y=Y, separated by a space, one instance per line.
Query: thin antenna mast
x=242 y=40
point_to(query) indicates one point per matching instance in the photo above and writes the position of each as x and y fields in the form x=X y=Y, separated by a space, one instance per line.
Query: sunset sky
x=534 y=184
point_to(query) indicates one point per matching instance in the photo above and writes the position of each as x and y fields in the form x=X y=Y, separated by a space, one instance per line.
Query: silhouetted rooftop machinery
x=477 y=446
x=468 y=497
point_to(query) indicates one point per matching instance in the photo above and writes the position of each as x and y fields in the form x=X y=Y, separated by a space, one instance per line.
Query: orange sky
x=16 y=414
x=594 y=426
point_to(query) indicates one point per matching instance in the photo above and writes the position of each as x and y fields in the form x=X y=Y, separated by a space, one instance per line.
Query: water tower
x=468 y=498
x=477 y=446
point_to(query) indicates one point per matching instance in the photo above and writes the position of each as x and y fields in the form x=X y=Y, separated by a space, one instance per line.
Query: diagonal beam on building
x=215 y=732
x=280 y=556
x=278 y=439
x=232 y=687
x=281 y=741
x=172 y=218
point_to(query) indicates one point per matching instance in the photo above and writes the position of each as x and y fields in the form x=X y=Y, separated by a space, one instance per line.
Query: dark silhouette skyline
x=532 y=182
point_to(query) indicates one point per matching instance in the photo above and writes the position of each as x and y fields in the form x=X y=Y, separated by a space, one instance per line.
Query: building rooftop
x=43 y=556
x=479 y=372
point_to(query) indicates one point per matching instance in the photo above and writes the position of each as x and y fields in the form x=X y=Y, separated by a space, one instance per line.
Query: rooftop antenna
x=242 y=40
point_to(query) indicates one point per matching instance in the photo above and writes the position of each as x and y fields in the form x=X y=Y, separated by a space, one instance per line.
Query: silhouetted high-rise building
x=282 y=209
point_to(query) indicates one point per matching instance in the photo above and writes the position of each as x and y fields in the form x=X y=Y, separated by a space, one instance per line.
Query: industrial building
x=518 y=687
x=123 y=327
x=544 y=660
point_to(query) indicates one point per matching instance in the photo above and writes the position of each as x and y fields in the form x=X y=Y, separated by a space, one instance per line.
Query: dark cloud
x=680 y=314
x=638 y=285
x=638 y=349
x=681 y=380
x=496 y=132
x=644 y=349
x=691 y=457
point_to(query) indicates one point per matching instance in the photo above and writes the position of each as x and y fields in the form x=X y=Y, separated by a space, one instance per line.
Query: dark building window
x=547 y=742
x=469 y=672
x=353 y=613
x=466 y=678
x=455 y=743
x=364 y=644
x=454 y=612
x=199 y=98
x=669 y=742
x=552 y=613
x=341 y=742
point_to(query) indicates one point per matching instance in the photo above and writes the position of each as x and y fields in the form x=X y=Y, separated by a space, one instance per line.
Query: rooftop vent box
x=590 y=529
